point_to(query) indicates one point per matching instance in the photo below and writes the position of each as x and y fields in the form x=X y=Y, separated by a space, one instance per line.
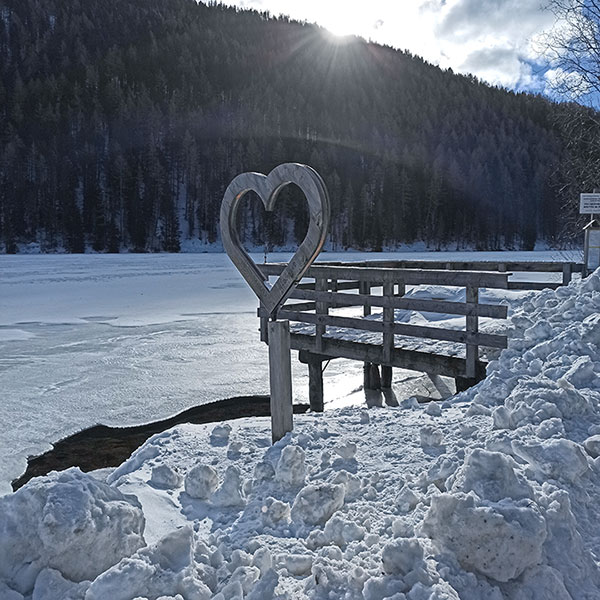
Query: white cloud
x=492 y=39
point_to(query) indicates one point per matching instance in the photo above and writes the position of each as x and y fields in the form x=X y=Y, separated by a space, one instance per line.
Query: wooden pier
x=321 y=333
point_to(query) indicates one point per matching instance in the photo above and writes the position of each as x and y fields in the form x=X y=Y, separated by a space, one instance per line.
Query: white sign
x=589 y=204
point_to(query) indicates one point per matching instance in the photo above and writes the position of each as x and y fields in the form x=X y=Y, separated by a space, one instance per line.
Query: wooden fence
x=330 y=287
x=514 y=268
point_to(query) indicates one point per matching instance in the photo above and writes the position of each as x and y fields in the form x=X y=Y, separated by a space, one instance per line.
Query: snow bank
x=69 y=522
x=488 y=497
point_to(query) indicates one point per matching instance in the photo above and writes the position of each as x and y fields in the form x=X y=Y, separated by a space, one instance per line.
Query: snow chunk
x=406 y=499
x=7 y=594
x=592 y=446
x=315 y=504
x=402 y=556
x=219 y=436
x=555 y=459
x=499 y=541
x=274 y=511
x=201 y=481
x=433 y=408
x=230 y=493
x=51 y=585
x=431 y=436
x=346 y=451
x=290 y=467
x=68 y=521
x=539 y=583
x=165 y=477
x=166 y=568
x=491 y=475
x=264 y=471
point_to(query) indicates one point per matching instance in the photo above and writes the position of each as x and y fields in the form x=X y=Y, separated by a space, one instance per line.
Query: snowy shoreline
x=488 y=496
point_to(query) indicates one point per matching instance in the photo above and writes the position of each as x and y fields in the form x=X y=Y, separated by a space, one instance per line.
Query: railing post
x=322 y=308
x=472 y=298
x=364 y=288
x=280 y=379
x=388 y=337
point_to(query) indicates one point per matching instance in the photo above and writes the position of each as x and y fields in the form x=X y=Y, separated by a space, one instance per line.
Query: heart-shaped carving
x=268 y=187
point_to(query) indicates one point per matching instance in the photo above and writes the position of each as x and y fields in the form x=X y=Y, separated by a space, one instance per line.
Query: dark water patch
x=100 y=446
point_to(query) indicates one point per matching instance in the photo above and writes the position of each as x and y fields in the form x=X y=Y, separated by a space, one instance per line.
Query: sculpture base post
x=280 y=379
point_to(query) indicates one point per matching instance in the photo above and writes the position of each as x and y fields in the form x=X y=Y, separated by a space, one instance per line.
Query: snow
x=490 y=495
x=126 y=339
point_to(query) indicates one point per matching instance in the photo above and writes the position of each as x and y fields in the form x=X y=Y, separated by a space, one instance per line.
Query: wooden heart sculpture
x=268 y=187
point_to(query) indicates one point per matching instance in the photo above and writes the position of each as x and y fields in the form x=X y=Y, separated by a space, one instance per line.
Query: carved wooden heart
x=268 y=188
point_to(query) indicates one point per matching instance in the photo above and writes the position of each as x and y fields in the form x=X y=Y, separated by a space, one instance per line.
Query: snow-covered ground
x=128 y=339
x=489 y=496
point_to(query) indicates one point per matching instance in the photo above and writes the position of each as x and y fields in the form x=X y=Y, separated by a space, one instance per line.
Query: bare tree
x=572 y=49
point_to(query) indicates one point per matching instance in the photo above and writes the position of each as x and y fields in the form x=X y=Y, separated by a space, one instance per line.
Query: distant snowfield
x=128 y=339
x=490 y=495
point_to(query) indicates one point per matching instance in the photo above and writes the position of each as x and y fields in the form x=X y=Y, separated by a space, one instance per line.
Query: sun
x=342 y=23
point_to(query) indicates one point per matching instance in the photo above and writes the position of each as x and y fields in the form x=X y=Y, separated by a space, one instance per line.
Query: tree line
x=123 y=121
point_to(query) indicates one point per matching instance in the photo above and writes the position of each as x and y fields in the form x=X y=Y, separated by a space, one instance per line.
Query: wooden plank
x=417 y=304
x=521 y=266
x=532 y=285
x=419 y=331
x=341 y=285
x=472 y=298
x=450 y=366
x=300 y=306
x=406 y=276
x=280 y=379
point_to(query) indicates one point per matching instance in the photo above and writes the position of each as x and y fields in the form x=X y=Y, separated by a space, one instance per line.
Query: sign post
x=589 y=204
x=272 y=297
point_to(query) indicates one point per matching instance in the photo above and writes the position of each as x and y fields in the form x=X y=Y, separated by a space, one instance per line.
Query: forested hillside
x=123 y=121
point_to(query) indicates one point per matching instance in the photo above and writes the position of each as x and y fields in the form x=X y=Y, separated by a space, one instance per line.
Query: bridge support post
x=386 y=376
x=372 y=380
x=315 y=385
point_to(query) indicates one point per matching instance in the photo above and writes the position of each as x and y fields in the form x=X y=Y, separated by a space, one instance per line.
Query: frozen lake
x=128 y=339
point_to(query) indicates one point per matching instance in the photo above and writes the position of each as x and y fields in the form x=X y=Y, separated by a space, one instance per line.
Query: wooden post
x=472 y=327
x=386 y=376
x=280 y=378
x=566 y=273
x=364 y=287
x=321 y=309
x=264 y=326
x=315 y=385
x=388 y=338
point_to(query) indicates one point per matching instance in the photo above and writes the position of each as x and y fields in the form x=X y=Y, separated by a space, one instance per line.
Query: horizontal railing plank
x=533 y=285
x=401 y=302
x=434 y=333
x=405 y=276
x=484 y=265
x=412 y=360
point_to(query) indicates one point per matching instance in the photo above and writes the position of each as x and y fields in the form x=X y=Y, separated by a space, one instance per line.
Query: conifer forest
x=123 y=121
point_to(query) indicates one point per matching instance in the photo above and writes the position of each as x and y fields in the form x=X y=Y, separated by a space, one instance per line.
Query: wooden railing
x=565 y=269
x=330 y=287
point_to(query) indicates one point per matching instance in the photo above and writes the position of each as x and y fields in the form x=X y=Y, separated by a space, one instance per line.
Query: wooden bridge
x=324 y=330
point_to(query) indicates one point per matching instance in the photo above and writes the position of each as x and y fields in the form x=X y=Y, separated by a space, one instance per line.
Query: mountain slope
x=123 y=122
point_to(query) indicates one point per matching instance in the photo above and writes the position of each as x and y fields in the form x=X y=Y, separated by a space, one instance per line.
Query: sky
x=496 y=40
